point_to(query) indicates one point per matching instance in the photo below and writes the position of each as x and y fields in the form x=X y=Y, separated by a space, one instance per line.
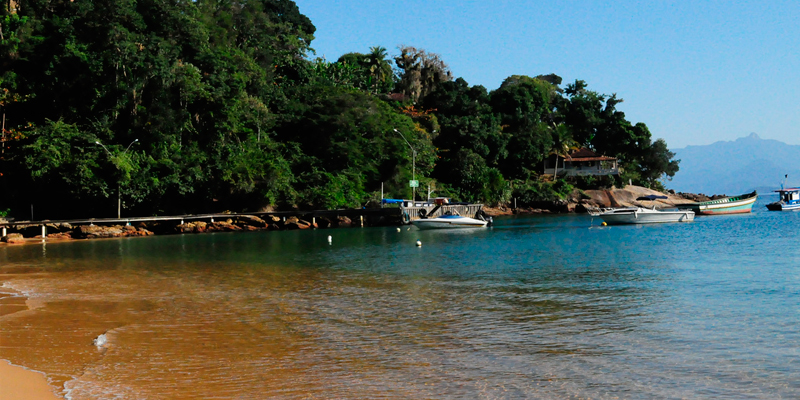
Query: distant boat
x=448 y=222
x=789 y=200
x=640 y=215
x=727 y=205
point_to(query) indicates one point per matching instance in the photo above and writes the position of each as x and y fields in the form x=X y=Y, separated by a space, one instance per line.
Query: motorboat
x=641 y=215
x=727 y=205
x=448 y=222
x=789 y=200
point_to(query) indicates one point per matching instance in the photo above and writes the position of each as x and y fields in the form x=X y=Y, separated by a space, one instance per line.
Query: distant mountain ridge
x=735 y=167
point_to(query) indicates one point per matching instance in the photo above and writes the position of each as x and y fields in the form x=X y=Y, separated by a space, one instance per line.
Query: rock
x=223 y=226
x=628 y=198
x=324 y=222
x=13 y=238
x=296 y=223
x=343 y=222
x=252 y=221
x=60 y=235
x=96 y=231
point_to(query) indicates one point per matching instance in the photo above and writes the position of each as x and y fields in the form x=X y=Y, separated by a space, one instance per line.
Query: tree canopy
x=196 y=105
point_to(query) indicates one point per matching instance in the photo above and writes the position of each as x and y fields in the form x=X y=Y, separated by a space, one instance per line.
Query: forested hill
x=190 y=106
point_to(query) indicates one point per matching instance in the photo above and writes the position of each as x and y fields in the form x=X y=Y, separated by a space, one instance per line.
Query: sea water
x=546 y=307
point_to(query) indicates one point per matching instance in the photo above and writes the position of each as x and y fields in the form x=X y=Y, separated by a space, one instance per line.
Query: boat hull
x=781 y=206
x=730 y=205
x=436 y=223
x=645 y=216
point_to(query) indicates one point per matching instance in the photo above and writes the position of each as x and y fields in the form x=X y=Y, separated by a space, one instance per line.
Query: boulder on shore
x=296 y=223
x=13 y=238
x=627 y=197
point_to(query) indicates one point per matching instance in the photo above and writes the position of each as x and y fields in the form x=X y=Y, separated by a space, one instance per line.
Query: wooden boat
x=789 y=200
x=448 y=222
x=728 y=205
x=640 y=215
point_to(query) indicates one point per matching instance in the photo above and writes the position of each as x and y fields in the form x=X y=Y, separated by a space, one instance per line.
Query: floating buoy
x=604 y=224
x=330 y=239
x=408 y=229
x=419 y=244
x=398 y=229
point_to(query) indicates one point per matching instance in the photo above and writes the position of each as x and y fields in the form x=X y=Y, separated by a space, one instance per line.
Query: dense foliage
x=190 y=106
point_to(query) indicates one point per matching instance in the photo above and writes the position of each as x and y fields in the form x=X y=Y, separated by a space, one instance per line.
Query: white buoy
x=330 y=239
x=398 y=229
x=419 y=244
x=100 y=341
x=408 y=229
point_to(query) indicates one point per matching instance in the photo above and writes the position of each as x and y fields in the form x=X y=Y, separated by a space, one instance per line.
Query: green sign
x=413 y=183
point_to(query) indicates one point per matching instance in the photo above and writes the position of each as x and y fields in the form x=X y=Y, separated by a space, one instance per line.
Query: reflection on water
x=536 y=307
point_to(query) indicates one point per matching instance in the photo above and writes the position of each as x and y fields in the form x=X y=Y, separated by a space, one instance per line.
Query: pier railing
x=466 y=210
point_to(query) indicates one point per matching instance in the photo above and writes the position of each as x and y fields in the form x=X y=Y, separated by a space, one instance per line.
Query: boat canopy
x=788 y=190
x=392 y=201
x=652 y=197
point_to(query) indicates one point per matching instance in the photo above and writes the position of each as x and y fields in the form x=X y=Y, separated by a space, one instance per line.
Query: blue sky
x=695 y=72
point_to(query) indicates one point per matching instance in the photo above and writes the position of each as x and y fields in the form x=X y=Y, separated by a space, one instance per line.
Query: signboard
x=413 y=184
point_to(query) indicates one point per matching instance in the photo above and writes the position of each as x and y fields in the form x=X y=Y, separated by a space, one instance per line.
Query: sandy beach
x=17 y=383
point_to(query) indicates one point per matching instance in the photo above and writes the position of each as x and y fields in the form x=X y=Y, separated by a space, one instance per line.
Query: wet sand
x=17 y=383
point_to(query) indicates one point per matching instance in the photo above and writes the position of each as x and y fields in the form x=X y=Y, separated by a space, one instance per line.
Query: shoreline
x=17 y=382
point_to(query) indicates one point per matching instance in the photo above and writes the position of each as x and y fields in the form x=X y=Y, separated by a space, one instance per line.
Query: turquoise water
x=534 y=307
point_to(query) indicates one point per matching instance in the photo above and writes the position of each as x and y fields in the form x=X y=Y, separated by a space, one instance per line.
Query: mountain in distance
x=736 y=167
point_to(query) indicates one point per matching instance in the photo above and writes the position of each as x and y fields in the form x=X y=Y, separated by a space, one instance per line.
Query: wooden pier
x=403 y=214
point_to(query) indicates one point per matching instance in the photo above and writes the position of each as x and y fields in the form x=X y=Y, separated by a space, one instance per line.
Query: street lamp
x=119 y=194
x=413 y=166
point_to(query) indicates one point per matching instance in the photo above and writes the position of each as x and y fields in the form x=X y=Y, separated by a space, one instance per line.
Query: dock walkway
x=399 y=214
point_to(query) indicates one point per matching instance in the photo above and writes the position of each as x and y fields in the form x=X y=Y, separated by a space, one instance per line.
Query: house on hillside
x=581 y=162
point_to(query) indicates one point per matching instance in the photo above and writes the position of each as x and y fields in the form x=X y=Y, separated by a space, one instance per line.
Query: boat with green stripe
x=741 y=204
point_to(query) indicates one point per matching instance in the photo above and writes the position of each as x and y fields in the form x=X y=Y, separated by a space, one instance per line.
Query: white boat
x=789 y=200
x=448 y=222
x=639 y=215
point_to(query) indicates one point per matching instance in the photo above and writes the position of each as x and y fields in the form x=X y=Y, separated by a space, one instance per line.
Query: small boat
x=640 y=215
x=448 y=222
x=727 y=205
x=789 y=200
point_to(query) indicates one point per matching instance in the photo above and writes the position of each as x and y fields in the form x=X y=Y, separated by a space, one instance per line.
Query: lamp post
x=413 y=166
x=119 y=193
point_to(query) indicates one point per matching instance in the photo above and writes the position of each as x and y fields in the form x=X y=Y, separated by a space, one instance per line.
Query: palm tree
x=563 y=144
x=379 y=67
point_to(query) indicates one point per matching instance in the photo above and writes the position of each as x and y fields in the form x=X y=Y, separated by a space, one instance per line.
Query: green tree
x=562 y=145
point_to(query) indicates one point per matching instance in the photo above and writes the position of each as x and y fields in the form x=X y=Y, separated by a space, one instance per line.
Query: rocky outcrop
x=293 y=223
x=627 y=197
x=98 y=231
x=13 y=238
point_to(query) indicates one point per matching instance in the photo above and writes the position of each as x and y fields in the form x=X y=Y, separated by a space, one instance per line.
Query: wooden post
x=313 y=221
x=4 y=231
x=362 y=220
x=44 y=231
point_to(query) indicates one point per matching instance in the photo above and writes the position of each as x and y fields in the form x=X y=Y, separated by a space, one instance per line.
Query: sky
x=696 y=72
